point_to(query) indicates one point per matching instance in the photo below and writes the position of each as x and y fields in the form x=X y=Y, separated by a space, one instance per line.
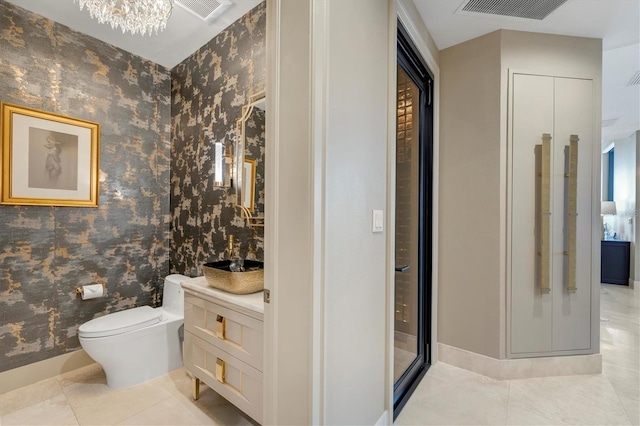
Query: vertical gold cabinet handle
x=572 y=213
x=220 y=370
x=545 y=215
x=220 y=327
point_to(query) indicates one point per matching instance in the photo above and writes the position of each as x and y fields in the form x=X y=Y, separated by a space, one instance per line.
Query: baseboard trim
x=383 y=420
x=42 y=370
x=525 y=368
x=633 y=284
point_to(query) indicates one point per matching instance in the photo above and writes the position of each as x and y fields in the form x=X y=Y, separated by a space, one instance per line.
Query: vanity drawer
x=235 y=333
x=242 y=384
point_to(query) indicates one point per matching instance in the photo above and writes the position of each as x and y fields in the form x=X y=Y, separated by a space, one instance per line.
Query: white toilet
x=138 y=344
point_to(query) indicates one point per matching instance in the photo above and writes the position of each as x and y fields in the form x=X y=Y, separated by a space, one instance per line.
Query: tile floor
x=82 y=397
x=447 y=395
x=452 y=396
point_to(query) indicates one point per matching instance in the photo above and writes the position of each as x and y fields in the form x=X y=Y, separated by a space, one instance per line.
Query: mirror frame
x=248 y=200
x=239 y=159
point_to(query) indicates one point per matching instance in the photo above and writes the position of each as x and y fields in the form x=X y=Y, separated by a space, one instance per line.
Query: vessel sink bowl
x=219 y=276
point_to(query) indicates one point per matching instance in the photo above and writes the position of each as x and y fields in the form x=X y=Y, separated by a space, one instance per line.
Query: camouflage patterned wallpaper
x=45 y=252
x=208 y=91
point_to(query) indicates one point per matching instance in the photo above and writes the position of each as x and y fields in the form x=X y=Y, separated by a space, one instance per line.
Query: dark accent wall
x=45 y=252
x=208 y=91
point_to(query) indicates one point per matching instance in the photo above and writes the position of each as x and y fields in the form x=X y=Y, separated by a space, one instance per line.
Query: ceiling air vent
x=207 y=10
x=609 y=122
x=528 y=9
x=635 y=80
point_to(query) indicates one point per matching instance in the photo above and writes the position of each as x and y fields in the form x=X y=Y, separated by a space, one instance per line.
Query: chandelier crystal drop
x=135 y=16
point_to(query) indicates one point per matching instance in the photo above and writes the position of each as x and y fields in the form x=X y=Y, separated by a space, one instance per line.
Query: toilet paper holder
x=80 y=290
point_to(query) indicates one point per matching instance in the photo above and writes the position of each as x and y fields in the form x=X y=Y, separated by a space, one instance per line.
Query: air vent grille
x=529 y=9
x=609 y=122
x=635 y=80
x=205 y=9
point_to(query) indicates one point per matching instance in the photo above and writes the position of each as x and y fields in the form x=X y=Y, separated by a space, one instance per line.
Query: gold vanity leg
x=196 y=388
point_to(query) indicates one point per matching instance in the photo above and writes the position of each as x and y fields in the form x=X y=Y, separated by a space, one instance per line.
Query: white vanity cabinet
x=223 y=343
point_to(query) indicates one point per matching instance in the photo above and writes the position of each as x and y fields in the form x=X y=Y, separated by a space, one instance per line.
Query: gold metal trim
x=252 y=186
x=545 y=215
x=6 y=152
x=220 y=370
x=239 y=145
x=196 y=388
x=252 y=221
x=221 y=324
x=572 y=214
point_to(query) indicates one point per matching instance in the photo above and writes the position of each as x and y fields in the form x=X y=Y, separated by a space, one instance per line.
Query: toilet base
x=132 y=358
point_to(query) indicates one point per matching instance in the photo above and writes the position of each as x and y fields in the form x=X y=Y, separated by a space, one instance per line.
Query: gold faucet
x=235 y=264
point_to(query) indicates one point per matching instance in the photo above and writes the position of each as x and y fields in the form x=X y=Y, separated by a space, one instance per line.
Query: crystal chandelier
x=135 y=16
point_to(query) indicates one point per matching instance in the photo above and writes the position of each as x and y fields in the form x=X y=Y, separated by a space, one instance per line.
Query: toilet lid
x=120 y=322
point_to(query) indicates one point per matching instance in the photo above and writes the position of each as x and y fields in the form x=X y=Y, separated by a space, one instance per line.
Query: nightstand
x=614 y=262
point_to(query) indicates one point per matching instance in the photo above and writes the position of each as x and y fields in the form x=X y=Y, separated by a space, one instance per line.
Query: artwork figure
x=52 y=165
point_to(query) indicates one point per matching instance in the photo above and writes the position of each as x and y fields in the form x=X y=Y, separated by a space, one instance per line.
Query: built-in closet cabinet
x=518 y=225
x=549 y=193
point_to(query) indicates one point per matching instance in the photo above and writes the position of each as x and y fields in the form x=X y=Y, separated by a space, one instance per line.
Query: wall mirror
x=249 y=184
x=249 y=156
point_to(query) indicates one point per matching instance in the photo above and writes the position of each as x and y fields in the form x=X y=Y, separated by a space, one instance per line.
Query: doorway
x=413 y=229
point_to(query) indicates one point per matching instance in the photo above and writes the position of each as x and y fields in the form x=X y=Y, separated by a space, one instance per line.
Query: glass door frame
x=416 y=69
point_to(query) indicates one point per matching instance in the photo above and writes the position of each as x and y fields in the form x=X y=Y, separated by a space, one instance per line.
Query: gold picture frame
x=48 y=159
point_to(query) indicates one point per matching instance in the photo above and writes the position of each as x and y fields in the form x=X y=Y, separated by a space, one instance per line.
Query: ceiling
x=617 y=22
x=185 y=32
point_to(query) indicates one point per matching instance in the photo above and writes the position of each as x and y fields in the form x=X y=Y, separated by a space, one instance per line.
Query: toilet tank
x=173 y=295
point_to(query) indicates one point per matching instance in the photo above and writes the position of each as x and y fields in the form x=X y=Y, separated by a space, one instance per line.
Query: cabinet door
x=614 y=262
x=557 y=322
x=242 y=335
x=239 y=383
x=532 y=115
x=572 y=311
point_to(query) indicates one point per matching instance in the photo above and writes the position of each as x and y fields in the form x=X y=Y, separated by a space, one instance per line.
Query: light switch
x=378 y=221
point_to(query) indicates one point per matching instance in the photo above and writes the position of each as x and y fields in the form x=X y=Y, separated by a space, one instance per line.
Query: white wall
x=635 y=252
x=328 y=96
x=624 y=189
x=289 y=216
x=624 y=194
x=356 y=183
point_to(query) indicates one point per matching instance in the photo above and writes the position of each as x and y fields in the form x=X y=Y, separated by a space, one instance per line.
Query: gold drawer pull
x=220 y=327
x=220 y=370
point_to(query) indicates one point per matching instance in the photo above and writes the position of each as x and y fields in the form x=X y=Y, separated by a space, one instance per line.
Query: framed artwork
x=48 y=159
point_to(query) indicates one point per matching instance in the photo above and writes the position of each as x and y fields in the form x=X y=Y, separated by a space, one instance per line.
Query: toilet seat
x=120 y=322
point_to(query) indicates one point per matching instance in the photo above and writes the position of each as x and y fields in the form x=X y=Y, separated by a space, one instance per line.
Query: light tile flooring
x=452 y=396
x=82 y=397
x=447 y=395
